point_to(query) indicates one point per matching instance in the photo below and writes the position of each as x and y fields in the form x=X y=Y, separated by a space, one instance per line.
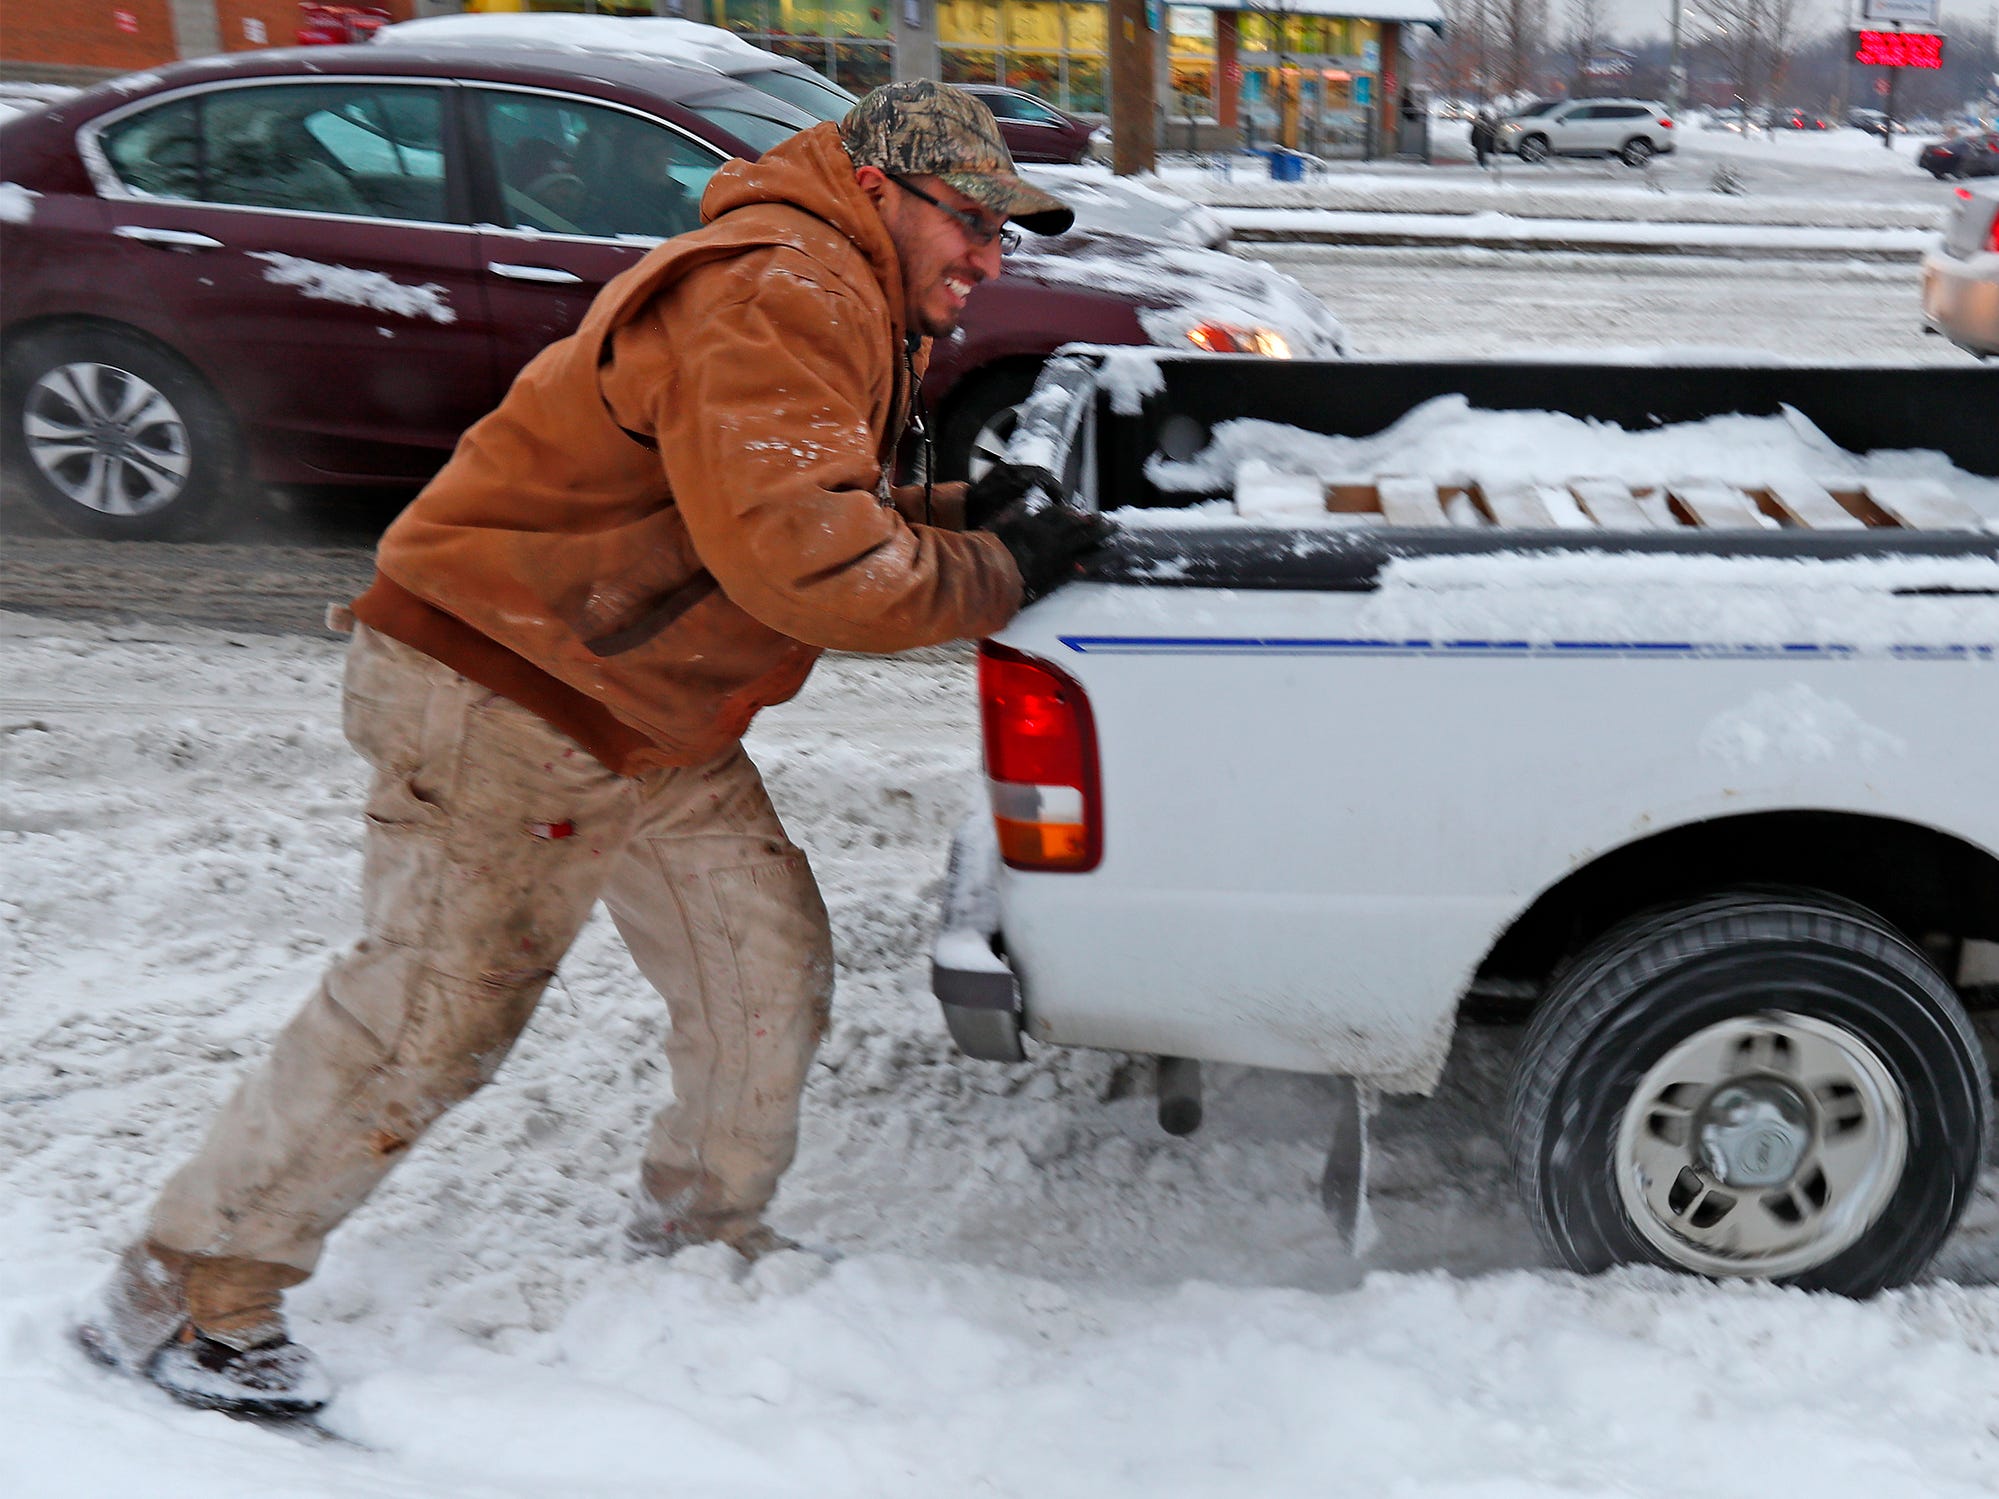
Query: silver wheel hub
x=1754 y=1133
x=1761 y=1145
x=107 y=439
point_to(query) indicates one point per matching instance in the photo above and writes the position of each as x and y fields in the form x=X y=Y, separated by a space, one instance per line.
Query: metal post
x=1675 y=70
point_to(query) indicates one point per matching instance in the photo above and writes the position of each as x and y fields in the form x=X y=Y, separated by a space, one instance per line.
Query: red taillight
x=1992 y=234
x=1666 y=125
x=1041 y=763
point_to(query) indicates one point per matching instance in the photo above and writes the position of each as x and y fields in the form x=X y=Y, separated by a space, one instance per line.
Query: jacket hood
x=813 y=172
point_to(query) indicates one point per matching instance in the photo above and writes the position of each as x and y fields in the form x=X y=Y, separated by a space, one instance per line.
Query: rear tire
x=1636 y=151
x=118 y=438
x=1767 y=1085
x=1534 y=149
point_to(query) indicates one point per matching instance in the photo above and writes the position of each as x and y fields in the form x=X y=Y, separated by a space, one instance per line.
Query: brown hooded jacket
x=677 y=507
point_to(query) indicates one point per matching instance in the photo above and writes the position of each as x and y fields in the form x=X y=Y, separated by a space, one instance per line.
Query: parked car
x=1802 y=119
x=1961 y=276
x=1035 y=130
x=1106 y=203
x=320 y=265
x=1975 y=155
x=1633 y=130
x=1874 y=122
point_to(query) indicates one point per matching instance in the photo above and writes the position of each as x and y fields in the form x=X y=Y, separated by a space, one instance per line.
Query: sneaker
x=278 y=1380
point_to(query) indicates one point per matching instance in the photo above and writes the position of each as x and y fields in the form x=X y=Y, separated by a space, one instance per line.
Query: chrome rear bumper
x=969 y=974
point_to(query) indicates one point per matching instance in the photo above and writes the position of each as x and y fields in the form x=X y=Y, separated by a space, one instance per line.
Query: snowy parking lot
x=1036 y=1292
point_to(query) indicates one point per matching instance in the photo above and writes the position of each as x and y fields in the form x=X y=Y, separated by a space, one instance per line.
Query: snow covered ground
x=1040 y=1293
x=1831 y=177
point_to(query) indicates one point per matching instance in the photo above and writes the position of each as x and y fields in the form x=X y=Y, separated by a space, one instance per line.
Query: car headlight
x=1234 y=338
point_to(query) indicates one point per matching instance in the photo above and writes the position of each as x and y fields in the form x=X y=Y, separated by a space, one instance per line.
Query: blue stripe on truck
x=1277 y=645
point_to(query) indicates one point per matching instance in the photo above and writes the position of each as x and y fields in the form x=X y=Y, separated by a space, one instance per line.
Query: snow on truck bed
x=1447 y=463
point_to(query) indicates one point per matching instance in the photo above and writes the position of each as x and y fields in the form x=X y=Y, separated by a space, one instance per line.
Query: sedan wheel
x=1534 y=149
x=980 y=422
x=988 y=445
x=122 y=440
x=107 y=439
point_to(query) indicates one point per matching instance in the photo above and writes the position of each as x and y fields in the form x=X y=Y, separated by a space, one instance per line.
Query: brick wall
x=78 y=40
x=86 y=34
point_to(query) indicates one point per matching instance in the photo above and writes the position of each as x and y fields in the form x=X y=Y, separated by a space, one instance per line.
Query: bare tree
x=1753 y=39
x=1523 y=31
x=1489 y=48
x=1459 y=62
x=1586 y=37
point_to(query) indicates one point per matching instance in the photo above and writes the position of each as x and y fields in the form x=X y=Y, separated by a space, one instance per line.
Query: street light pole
x=1675 y=72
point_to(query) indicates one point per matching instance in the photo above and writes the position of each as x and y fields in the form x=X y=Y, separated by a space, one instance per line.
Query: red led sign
x=1898 y=49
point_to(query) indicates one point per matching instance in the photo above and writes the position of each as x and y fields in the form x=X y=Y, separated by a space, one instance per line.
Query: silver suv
x=1632 y=130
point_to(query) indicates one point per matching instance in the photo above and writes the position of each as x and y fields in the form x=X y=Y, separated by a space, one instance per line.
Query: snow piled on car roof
x=645 y=36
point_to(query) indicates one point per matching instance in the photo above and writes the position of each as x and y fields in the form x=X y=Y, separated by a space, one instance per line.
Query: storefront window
x=847 y=40
x=968 y=65
x=1191 y=60
x=1055 y=49
x=745 y=16
x=1193 y=89
x=1040 y=73
x=859 y=66
x=1088 y=27
x=1089 y=90
x=1032 y=25
x=968 y=23
x=1309 y=36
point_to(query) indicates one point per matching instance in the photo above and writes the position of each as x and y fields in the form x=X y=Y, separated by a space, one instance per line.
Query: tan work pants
x=490 y=838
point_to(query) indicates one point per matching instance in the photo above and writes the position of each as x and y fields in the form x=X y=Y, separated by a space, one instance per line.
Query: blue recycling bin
x=1287 y=166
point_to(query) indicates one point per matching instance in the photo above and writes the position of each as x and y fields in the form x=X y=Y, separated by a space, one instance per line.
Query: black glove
x=1048 y=543
x=999 y=486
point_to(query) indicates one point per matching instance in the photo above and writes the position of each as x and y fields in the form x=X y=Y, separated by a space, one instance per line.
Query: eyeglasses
x=976 y=229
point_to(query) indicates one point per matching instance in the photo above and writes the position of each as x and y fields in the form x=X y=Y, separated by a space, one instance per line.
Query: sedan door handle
x=167 y=239
x=545 y=273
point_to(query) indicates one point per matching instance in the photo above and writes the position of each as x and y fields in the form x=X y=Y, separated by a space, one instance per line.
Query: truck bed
x=1115 y=459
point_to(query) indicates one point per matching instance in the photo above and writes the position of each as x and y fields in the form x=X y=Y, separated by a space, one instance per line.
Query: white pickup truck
x=1662 y=703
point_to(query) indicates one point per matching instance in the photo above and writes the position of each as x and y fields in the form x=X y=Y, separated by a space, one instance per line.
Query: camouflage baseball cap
x=919 y=128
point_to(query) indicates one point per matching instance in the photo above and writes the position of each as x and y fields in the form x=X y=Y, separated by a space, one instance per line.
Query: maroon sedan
x=1033 y=129
x=319 y=266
